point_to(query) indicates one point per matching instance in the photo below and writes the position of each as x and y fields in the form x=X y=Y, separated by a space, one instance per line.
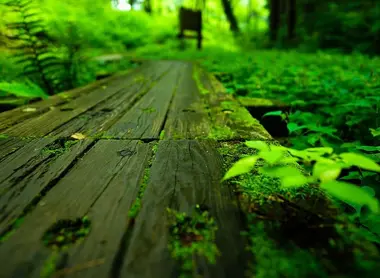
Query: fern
x=24 y=90
x=32 y=47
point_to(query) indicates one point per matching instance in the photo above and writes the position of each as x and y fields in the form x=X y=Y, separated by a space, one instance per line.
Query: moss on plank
x=136 y=205
x=59 y=146
x=191 y=238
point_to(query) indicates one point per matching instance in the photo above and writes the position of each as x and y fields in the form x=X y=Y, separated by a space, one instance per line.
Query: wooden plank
x=17 y=115
x=54 y=118
x=184 y=173
x=32 y=170
x=231 y=121
x=99 y=118
x=187 y=118
x=110 y=221
x=146 y=119
x=9 y=145
x=102 y=169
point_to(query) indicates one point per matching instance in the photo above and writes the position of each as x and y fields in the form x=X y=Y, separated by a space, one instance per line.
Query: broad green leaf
x=370 y=190
x=360 y=161
x=280 y=171
x=294 y=181
x=292 y=127
x=271 y=156
x=242 y=166
x=326 y=171
x=351 y=194
x=375 y=132
x=368 y=148
x=260 y=145
x=27 y=89
x=321 y=150
x=273 y=113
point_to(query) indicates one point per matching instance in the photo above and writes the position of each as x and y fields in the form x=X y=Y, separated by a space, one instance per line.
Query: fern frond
x=26 y=90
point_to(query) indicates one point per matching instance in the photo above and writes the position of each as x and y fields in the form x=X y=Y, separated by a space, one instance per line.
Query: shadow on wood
x=190 y=20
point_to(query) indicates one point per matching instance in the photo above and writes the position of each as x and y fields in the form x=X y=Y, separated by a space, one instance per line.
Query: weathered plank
x=231 y=121
x=187 y=118
x=18 y=115
x=56 y=117
x=99 y=118
x=110 y=221
x=184 y=173
x=9 y=145
x=146 y=118
x=30 y=171
x=103 y=167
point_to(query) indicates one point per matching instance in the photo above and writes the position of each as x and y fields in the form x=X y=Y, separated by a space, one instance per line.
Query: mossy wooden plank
x=32 y=170
x=98 y=119
x=9 y=145
x=71 y=197
x=185 y=173
x=110 y=220
x=231 y=121
x=57 y=116
x=146 y=119
x=187 y=118
x=18 y=115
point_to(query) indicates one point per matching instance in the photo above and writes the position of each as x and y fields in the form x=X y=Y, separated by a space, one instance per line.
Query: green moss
x=162 y=134
x=220 y=133
x=15 y=225
x=3 y=136
x=59 y=147
x=196 y=77
x=270 y=261
x=66 y=232
x=192 y=237
x=149 y=110
x=50 y=265
x=247 y=101
x=136 y=205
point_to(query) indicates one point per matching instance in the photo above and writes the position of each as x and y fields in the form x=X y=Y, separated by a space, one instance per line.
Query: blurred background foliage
x=75 y=32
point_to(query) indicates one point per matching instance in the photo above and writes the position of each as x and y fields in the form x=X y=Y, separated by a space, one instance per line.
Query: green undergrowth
x=192 y=239
x=298 y=231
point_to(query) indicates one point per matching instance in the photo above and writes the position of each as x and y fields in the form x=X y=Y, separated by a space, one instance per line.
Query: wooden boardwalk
x=103 y=164
x=109 y=159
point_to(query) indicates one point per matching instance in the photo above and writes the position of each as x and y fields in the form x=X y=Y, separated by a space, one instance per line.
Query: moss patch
x=59 y=146
x=136 y=205
x=14 y=226
x=192 y=238
x=66 y=232
x=197 y=78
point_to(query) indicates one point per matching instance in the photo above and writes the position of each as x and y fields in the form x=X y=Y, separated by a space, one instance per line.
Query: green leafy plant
x=28 y=89
x=326 y=168
x=27 y=36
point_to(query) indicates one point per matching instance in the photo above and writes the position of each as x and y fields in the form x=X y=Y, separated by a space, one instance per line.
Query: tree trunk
x=148 y=6
x=227 y=7
x=292 y=19
x=274 y=19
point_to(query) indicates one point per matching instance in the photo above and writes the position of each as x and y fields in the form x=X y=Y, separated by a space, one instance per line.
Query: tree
x=274 y=18
x=227 y=7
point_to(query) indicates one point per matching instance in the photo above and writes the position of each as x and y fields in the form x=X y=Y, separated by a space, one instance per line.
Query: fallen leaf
x=78 y=136
x=29 y=109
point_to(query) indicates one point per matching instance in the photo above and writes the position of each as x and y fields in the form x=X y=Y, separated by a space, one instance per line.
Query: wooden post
x=190 y=20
